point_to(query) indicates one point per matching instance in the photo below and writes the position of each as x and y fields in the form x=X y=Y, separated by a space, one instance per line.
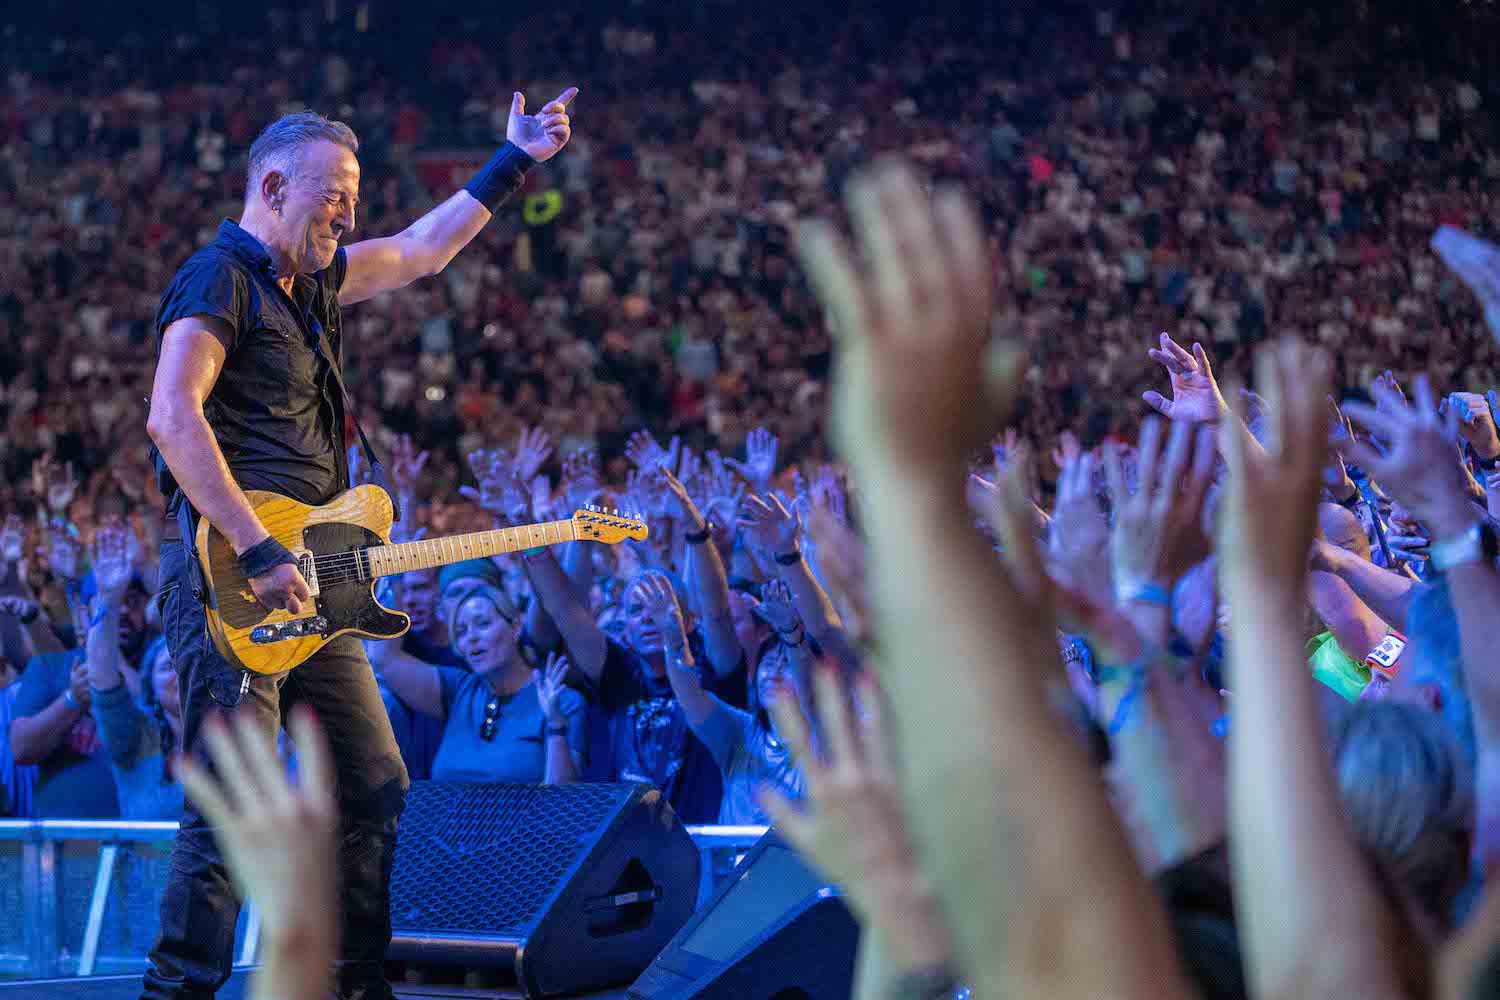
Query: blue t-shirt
x=74 y=781
x=748 y=755
x=418 y=735
x=517 y=751
x=19 y=782
x=132 y=740
x=638 y=732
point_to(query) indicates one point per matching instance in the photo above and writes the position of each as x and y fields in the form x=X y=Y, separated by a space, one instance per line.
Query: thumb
x=517 y=104
x=536 y=677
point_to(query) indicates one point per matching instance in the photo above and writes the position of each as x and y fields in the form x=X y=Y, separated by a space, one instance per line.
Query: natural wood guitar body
x=343 y=548
x=356 y=519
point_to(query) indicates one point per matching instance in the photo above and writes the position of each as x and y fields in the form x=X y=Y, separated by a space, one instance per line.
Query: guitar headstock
x=607 y=525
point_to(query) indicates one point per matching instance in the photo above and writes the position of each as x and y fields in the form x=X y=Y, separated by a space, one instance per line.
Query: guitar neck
x=428 y=553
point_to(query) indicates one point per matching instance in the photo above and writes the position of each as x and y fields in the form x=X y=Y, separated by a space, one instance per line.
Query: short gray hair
x=278 y=147
x=1408 y=797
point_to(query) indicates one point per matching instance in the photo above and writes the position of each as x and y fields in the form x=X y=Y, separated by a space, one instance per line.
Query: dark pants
x=194 y=953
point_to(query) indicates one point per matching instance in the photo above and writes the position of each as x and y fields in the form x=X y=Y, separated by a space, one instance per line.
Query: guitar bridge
x=292 y=628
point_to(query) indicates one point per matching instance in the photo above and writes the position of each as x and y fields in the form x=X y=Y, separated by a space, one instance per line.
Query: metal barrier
x=109 y=873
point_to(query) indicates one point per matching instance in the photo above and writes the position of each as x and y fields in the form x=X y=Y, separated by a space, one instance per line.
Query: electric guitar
x=342 y=549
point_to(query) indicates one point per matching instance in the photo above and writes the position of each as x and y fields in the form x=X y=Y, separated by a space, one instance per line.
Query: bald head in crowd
x=1340 y=527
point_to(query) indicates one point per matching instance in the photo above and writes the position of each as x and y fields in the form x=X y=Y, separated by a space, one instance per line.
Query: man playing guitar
x=247 y=397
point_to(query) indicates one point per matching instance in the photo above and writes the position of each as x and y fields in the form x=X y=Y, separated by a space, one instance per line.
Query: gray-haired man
x=244 y=399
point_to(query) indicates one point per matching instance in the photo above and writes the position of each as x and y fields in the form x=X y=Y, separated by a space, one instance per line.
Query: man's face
x=133 y=631
x=320 y=199
x=419 y=598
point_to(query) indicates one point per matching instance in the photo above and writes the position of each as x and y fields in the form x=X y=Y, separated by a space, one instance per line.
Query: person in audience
x=52 y=726
x=746 y=745
x=419 y=735
x=140 y=734
x=501 y=719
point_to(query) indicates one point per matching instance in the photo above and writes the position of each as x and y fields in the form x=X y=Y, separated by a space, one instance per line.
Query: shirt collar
x=249 y=249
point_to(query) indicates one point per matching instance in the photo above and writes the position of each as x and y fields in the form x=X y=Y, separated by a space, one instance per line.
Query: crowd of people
x=1046 y=633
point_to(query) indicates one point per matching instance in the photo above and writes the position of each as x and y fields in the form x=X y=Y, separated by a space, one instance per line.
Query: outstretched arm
x=426 y=246
x=1288 y=835
x=910 y=404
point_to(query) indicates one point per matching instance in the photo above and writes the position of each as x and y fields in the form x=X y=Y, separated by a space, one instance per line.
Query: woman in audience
x=502 y=719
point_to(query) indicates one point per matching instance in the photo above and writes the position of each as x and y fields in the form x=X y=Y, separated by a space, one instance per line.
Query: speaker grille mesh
x=484 y=858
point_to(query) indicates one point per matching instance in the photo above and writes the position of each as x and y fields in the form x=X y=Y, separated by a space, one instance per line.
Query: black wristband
x=31 y=614
x=502 y=177
x=699 y=537
x=1490 y=464
x=1353 y=500
x=262 y=557
x=791 y=558
x=557 y=730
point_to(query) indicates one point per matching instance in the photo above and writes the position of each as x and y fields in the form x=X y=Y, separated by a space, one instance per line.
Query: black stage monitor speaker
x=775 y=930
x=575 y=887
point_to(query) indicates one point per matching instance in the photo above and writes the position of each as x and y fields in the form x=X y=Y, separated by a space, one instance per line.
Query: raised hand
x=759 y=466
x=12 y=540
x=532 y=452
x=912 y=389
x=497 y=479
x=646 y=453
x=112 y=566
x=549 y=687
x=1476 y=422
x=676 y=502
x=55 y=485
x=1078 y=543
x=722 y=490
x=64 y=555
x=581 y=479
x=1419 y=465
x=1477 y=264
x=1340 y=436
x=1271 y=505
x=1195 y=393
x=851 y=824
x=1158 y=530
x=775 y=607
x=542 y=135
x=281 y=841
x=828 y=493
x=406 y=466
x=769 y=525
x=662 y=609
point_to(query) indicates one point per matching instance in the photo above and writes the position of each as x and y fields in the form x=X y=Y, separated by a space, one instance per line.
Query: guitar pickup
x=293 y=628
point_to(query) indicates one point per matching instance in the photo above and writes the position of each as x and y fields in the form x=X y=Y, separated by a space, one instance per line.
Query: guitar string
x=337 y=568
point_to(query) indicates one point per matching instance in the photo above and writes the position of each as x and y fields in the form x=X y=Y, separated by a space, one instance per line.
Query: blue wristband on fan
x=1148 y=593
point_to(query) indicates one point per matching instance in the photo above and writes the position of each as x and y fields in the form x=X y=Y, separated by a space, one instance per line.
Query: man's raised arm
x=426 y=246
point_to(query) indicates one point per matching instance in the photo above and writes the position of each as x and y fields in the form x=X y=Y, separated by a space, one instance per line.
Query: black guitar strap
x=377 y=468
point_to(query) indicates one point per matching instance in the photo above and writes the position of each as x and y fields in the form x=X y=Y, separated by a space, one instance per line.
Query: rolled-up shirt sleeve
x=205 y=287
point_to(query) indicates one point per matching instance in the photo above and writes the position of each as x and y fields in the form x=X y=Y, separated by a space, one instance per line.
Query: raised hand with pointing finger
x=542 y=135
